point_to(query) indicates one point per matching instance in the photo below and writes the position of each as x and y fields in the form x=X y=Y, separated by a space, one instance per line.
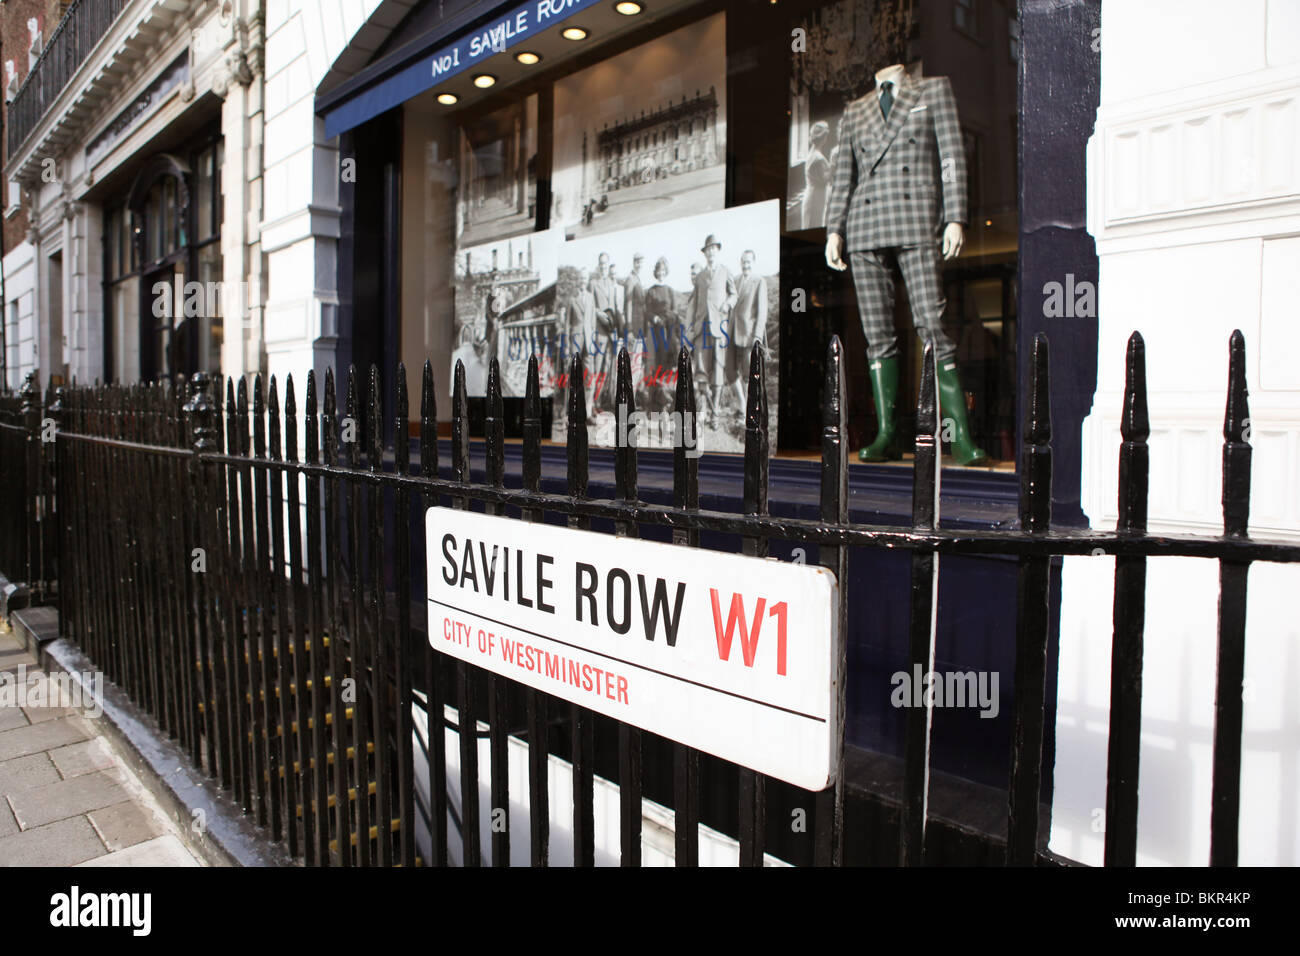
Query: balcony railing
x=76 y=35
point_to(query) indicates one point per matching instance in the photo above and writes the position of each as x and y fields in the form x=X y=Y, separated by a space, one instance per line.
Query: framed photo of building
x=641 y=137
x=709 y=283
x=497 y=155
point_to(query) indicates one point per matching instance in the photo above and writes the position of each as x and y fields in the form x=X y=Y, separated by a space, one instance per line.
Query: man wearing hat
x=714 y=295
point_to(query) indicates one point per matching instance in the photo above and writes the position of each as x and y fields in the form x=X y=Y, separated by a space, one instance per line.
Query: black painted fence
x=257 y=601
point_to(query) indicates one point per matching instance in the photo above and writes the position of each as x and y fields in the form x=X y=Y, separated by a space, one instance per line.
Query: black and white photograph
x=502 y=293
x=709 y=283
x=351 y=520
x=642 y=137
x=826 y=75
x=498 y=174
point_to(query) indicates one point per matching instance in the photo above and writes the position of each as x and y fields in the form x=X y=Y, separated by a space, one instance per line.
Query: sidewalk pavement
x=67 y=798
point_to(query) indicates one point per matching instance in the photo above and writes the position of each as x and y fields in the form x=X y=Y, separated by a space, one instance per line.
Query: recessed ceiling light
x=484 y=80
x=528 y=57
x=574 y=33
x=447 y=99
x=628 y=8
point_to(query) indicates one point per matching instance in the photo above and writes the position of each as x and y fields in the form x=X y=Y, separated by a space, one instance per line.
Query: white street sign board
x=731 y=655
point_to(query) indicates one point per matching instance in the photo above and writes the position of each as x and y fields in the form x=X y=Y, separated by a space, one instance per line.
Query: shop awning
x=443 y=55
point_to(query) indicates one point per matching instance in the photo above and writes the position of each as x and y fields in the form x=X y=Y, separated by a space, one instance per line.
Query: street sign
x=731 y=655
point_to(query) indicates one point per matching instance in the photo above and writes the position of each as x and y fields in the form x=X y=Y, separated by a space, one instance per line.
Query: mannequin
x=898 y=194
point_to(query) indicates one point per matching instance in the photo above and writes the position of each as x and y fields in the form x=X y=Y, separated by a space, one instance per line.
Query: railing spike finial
x=757 y=444
x=756 y=412
x=31 y=388
x=532 y=428
x=1236 y=442
x=200 y=410
x=428 y=423
x=625 y=445
x=684 y=398
x=459 y=424
x=373 y=418
x=577 y=398
x=494 y=427
x=1135 y=423
x=273 y=420
x=1236 y=418
x=576 y=439
x=311 y=421
x=401 y=420
x=290 y=420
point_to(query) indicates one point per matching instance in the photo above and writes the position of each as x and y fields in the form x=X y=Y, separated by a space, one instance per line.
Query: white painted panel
x=1198 y=161
x=1279 y=314
x=1283 y=36
x=1159 y=45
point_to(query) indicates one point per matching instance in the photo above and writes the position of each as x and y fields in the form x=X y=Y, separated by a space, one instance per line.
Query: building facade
x=135 y=142
x=272 y=186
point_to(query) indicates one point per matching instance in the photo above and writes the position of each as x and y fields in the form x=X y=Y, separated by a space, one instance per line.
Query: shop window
x=163 y=293
x=965 y=17
x=677 y=186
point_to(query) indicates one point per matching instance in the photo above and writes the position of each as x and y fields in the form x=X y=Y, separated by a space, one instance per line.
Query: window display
x=718 y=173
x=642 y=137
x=709 y=283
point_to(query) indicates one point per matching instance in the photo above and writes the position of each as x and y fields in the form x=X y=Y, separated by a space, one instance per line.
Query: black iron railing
x=258 y=602
x=68 y=46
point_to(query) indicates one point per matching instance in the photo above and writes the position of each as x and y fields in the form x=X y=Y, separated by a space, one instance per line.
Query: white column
x=1194 y=200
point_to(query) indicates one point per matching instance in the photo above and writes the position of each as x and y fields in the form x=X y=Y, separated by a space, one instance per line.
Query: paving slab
x=38 y=806
x=44 y=736
x=125 y=824
x=23 y=773
x=64 y=843
x=160 y=851
x=51 y=697
x=13 y=654
x=11 y=717
x=8 y=825
x=84 y=757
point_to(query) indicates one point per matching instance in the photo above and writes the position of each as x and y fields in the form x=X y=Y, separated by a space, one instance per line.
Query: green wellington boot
x=952 y=404
x=884 y=389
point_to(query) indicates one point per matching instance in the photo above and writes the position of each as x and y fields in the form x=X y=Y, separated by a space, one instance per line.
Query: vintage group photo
x=709 y=283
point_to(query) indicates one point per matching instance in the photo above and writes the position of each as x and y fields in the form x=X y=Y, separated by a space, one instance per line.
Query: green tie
x=886 y=99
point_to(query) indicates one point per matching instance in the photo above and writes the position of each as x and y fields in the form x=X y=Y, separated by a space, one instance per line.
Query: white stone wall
x=1194 y=200
x=66 y=208
x=19 y=314
x=301 y=215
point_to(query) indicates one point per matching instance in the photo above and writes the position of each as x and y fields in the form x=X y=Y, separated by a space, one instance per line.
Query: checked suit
x=896 y=183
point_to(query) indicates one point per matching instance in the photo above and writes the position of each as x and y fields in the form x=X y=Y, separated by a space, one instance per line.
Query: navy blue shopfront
x=1057 y=84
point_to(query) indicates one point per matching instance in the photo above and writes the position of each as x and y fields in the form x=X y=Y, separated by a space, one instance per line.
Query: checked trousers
x=874 y=280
